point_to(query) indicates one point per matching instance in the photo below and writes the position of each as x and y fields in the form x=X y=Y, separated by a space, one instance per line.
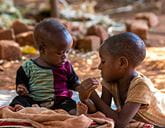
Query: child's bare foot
x=9 y=107
x=18 y=107
x=35 y=105
x=81 y=108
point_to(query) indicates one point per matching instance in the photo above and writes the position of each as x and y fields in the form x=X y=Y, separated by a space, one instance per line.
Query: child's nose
x=64 y=56
x=99 y=67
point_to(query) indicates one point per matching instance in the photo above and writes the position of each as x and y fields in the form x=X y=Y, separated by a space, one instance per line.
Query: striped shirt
x=44 y=83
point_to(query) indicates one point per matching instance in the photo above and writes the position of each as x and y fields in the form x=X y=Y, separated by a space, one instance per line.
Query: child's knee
x=23 y=101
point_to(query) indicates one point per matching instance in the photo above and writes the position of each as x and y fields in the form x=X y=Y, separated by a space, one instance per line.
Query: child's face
x=109 y=66
x=57 y=55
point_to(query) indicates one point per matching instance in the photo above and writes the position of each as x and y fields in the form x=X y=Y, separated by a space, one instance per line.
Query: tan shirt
x=142 y=91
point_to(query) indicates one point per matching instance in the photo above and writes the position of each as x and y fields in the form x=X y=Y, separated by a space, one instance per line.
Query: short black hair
x=46 y=30
x=126 y=44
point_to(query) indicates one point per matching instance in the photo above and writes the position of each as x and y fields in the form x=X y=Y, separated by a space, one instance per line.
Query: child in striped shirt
x=48 y=79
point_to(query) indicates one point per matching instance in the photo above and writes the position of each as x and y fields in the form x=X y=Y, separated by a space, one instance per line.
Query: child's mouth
x=62 y=62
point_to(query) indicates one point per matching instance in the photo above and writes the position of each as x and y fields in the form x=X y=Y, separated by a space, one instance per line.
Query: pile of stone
x=142 y=23
x=11 y=39
x=92 y=39
x=21 y=34
x=86 y=38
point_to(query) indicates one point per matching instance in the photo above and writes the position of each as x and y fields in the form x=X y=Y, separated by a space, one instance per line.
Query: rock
x=89 y=43
x=98 y=31
x=25 y=38
x=151 y=18
x=9 y=50
x=20 y=27
x=7 y=34
x=138 y=27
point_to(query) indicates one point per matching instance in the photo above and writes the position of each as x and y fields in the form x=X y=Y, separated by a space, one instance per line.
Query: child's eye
x=59 y=53
x=103 y=61
x=67 y=51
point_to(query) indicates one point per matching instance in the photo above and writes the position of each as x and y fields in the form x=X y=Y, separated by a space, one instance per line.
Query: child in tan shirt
x=133 y=93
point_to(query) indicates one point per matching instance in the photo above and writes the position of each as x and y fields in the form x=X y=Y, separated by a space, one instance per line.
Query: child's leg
x=22 y=100
x=67 y=104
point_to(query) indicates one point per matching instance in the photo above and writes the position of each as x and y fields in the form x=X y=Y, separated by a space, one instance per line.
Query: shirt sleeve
x=140 y=93
x=21 y=78
x=73 y=79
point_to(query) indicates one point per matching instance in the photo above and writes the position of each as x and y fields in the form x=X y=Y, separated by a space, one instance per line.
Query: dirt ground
x=85 y=64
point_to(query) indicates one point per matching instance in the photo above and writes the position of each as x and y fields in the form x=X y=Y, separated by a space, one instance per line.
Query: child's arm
x=21 y=85
x=85 y=90
x=106 y=96
x=22 y=82
x=87 y=87
x=91 y=106
x=121 y=118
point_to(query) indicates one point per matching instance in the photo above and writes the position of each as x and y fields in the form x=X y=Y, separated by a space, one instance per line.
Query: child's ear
x=42 y=49
x=123 y=62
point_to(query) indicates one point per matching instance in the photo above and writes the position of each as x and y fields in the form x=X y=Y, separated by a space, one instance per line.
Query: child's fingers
x=35 y=105
x=81 y=105
x=93 y=81
x=22 y=90
x=88 y=92
x=89 y=83
x=90 y=80
x=90 y=86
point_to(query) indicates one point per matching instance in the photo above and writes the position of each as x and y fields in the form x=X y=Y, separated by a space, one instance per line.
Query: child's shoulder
x=141 y=90
x=31 y=65
x=142 y=81
x=67 y=66
x=67 y=63
x=28 y=63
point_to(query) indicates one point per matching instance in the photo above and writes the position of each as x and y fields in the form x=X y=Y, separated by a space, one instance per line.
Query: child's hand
x=87 y=87
x=81 y=108
x=18 y=107
x=22 y=90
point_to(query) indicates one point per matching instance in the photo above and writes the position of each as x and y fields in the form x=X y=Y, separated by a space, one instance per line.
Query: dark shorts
x=65 y=103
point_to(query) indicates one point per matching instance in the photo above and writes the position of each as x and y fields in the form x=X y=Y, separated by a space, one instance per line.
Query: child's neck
x=41 y=62
x=124 y=82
